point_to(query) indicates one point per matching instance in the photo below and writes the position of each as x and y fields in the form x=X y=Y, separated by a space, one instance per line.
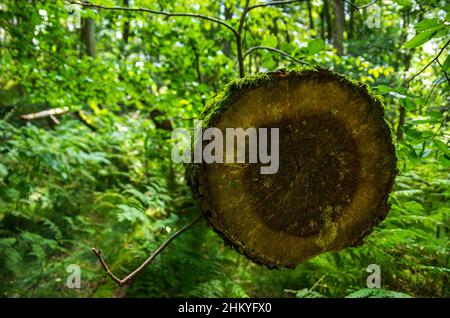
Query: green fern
x=377 y=293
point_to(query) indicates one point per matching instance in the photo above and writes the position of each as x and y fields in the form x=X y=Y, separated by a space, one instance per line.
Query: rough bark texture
x=337 y=166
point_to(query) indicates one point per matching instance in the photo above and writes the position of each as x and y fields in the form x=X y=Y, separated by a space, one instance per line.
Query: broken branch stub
x=337 y=165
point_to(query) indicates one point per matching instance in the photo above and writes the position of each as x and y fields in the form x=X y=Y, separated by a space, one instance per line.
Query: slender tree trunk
x=287 y=35
x=338 y=30
x=407 y=57
x=326 y=15
x=351 y=23
x=196 y=61
x=126 y=25
x=401 y=113
x=311 y=21
x=322 y=22
x=228 y=14
x=88 y=36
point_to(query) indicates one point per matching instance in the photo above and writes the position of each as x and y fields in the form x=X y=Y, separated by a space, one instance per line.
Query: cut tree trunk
x=337 y=164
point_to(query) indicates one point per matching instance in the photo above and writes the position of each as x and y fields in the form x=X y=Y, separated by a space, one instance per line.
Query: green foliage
x=377 y=293
x=66 y=187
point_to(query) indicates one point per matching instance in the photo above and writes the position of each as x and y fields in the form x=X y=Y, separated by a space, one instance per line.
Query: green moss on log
x=337 y=166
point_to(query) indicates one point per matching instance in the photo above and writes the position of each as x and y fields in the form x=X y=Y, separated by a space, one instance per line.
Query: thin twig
x=105 y=266
x=361 y=7
x=247 y=9
x=268 y=48
x=237 y=32
x=54 y=119
x=130 y=276
x=272 y=3
x=426 y=66
x=440 y=126
x=443 y=70
x=167 y=14
x=428 y=97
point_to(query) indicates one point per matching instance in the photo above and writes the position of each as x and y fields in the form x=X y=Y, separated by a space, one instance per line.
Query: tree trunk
x=228 y=14
x=311 y=21
x=327 y=17
x=126 y=25
x=88 y=36
x=351 y=23
x=338 y=30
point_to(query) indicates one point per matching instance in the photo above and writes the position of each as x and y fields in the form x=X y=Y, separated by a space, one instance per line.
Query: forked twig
x=130 y=276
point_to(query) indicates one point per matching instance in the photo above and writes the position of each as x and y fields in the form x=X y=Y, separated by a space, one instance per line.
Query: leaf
x=420 y=39
x=95 y=157
x=404 y=3
x=3 y=171
x=306 y=293
x=443 y=31
x=272 y=41
x=441 y=146
x=377 y=293
x=131 y=214
x=268 y=63
x=446 y=65
x=398 y=95
x=408 y=103
x=426 y=24
x=315 y=46
x=413 y=133
x=384 y=89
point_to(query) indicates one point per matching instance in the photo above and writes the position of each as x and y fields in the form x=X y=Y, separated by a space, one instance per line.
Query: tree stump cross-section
x=337 y=165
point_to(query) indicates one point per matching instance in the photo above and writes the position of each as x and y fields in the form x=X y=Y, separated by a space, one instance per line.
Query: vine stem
x=134 y=273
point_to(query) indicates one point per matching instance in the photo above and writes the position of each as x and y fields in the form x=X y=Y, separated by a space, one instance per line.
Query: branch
x=167 y=14
x=361 y=7
x=85 y=120
x=443 y=70
x=237 y=32
x=440 y=126
x=426 y=66
x=59 y=111
x=273 y=3
x=247 y=9
x=130 y=276
x=45 y=113
x=268 y=48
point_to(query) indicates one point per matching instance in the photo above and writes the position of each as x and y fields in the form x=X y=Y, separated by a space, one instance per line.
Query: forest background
x=94 y=168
